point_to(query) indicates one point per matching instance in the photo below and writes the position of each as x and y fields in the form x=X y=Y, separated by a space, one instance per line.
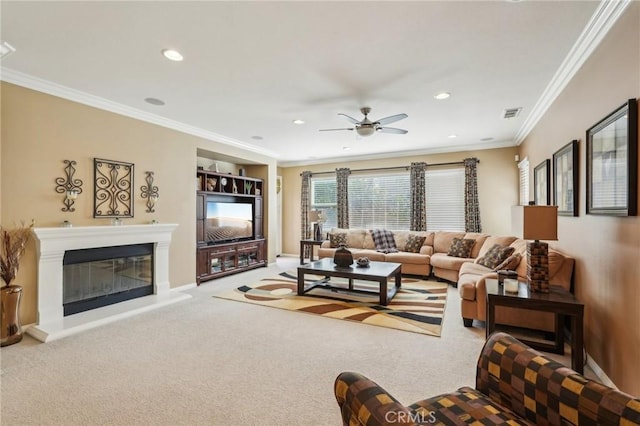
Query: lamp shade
x=314 y=215
x=535 y=222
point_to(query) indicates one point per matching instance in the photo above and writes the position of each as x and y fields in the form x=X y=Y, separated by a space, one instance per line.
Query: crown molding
x=21 y=79
x=603 y=19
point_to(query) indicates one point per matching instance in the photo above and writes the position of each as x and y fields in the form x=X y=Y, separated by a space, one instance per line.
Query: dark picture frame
x=612 y=163
x=565 y=179
x=542 y=183
x=113 y=189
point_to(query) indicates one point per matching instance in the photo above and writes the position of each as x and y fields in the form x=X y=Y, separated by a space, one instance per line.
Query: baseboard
x=184 y=287
x=602 y=376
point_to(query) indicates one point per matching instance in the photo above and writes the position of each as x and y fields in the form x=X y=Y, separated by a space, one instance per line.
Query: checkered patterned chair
x=514 y=385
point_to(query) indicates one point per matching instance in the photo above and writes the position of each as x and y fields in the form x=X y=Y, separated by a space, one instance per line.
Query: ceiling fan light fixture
x=172 y=55
x=442 y=95
x=365 y=130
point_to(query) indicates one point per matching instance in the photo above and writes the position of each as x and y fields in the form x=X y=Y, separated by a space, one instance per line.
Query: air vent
x=511 y=112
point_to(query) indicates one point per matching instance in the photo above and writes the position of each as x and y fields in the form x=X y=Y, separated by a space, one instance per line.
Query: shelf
x=220 y=183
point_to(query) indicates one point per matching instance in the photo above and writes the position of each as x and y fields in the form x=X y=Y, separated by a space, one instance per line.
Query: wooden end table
x=305 y=243
x=558 y=301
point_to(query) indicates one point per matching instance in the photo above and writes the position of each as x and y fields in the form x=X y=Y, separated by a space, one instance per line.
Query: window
x=445 y=199
x=523 y=181
x=383 y=200
x=379 y=201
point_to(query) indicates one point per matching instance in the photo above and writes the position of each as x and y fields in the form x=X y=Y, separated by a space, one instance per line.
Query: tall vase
x=11 y=331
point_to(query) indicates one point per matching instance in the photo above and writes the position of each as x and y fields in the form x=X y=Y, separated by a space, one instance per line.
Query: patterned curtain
x=305 y=207
x=418 y=206
x=342 y=184
x=471 y=202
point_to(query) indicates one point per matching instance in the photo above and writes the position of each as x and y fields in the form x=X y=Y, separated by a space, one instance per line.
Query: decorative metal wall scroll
x=150 y=192
x=69 y=186
x=113 y=188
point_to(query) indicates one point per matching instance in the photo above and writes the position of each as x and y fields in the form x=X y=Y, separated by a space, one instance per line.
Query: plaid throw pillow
x=414 y=243
x=461 y=247
x=384 y=240
x=495 y=256
x=335 y=240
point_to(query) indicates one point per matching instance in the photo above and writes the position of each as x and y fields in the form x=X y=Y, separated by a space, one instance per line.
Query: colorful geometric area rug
x=417 y=307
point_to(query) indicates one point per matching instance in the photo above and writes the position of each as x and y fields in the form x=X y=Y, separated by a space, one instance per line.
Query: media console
x=223 y=249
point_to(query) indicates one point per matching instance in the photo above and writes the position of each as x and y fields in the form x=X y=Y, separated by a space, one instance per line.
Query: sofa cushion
x=493 y=240
x=384 y=240
x=442 y=240
x=407 y=258
x=444 y=261
x=336 y=240
x=414 y=243
x=461 y=247
x=480 y=239
x=495 y=256
x=510 y=263
x=355 y=237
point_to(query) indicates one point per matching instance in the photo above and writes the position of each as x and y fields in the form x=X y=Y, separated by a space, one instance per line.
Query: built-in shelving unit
x=217 y=259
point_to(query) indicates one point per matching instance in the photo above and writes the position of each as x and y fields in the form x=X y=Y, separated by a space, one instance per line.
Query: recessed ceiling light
x=6 y=49
x=452 y=136
x=298 y=121
x=172 y=55
x=258 y=138
x=154 y=101
x=442 y=95
x=346 y=148
x=486 y=139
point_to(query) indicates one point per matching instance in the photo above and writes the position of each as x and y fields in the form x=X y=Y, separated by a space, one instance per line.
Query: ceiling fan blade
x=391 y=119
x=392 y=130
x=331 y=130
x=351 y=119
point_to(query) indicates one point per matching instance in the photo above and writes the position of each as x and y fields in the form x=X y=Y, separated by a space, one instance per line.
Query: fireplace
x=102 y=276
x=110 y=267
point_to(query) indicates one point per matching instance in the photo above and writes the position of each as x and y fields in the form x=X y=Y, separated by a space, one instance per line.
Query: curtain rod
x=453 y=163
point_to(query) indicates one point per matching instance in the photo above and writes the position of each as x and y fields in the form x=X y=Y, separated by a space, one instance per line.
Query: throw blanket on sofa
x=384 y=240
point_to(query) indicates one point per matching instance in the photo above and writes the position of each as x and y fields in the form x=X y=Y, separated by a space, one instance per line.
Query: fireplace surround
x=52 y=243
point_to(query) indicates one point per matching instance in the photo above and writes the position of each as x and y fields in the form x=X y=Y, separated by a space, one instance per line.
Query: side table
x=310 y=243
x=558 y=301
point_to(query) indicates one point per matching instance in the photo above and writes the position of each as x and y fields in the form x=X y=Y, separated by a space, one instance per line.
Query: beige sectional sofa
x=360 y=243
x=465 y=272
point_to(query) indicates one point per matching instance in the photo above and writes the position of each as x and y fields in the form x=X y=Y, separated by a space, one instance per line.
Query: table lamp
x=314 y=218
x=536 y=223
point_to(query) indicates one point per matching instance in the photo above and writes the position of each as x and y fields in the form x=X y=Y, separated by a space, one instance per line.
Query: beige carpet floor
x=210 y=361
x=418 y=306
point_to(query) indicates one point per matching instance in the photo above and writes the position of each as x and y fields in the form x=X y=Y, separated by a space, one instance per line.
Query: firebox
x=98 y=277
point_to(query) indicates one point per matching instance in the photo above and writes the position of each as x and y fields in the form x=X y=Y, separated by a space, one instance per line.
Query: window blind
x=523 y=181
x=445 y=199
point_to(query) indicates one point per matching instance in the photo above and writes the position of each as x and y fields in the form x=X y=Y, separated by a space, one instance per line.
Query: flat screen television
x=228 y=221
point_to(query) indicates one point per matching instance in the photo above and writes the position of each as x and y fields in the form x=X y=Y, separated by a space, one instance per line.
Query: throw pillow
x=495 y=256
x=461 y=247
x=510 y=263
x=335 y=240
x=414 y=243
x=384 y=240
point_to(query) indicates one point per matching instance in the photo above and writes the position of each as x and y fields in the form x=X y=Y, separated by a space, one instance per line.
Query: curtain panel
x=342 y=186
x=418 y=207
x=471 y=202
x=305 y=208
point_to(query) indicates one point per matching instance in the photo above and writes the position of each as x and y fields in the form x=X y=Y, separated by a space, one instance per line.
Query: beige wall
x=39 y=131
x=607 y=249
x=497 y=188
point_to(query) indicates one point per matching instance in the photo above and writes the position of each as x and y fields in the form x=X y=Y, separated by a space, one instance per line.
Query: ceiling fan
x=367 y=127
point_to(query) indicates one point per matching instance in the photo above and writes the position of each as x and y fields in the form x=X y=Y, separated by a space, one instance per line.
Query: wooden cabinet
x=214 y=260
x=229 y=258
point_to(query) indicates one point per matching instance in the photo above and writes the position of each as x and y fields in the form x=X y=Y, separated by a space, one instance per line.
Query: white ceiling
x=250 y=68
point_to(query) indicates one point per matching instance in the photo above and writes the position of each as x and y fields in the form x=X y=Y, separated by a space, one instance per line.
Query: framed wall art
x=565 y=179
x=113 y=185
x=541 y=183
x=612 y=163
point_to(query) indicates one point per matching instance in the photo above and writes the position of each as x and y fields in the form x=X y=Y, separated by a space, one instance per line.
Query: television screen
x=229 y=221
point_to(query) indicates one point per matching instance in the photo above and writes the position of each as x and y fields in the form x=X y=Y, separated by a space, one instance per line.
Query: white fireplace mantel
x=52 y=243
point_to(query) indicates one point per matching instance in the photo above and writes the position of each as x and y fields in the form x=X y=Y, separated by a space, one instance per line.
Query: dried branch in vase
x=12 y=247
